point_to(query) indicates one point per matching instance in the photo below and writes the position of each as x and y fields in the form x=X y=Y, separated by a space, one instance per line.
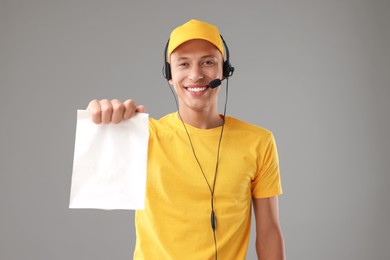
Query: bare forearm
x=270 y=247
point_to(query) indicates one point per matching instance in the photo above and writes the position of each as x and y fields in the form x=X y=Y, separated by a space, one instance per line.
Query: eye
x=183 y=64
x=208 y=63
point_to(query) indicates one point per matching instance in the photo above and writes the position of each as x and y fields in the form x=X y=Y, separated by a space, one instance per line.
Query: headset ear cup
x=227 y=69
x=167 y=67
x=224 y=69
x=167 y=70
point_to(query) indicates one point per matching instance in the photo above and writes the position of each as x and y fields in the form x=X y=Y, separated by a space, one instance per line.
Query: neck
x=201 y=119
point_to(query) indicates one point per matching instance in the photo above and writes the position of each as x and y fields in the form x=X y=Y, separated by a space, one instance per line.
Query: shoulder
x=241 y=127
x=165 y=123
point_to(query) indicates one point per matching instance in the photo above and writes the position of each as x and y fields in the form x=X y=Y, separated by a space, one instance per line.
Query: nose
x=196 y=73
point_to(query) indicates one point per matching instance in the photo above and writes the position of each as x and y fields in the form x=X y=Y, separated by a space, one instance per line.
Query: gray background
x=316 y=73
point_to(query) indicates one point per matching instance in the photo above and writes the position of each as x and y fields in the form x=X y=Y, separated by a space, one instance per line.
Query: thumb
x=140 y=109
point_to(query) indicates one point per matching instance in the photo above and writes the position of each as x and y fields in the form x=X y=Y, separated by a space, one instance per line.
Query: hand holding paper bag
x=109 y=168
x=112 y=111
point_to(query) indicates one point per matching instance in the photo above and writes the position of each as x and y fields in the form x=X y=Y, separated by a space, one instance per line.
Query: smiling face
x=193 y=65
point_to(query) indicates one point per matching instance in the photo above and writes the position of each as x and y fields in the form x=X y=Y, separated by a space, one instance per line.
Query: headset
x=227 y=69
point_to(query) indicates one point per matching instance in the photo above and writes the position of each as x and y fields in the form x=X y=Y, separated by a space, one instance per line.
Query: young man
x=204 y=170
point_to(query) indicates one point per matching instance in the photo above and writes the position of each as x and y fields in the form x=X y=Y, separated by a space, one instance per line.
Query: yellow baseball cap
x=194 y=29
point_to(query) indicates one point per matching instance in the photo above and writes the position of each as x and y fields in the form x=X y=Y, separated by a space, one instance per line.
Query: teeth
x=197 y=89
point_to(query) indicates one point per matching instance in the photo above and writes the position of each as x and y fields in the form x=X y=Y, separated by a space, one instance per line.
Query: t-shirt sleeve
x=267 y=181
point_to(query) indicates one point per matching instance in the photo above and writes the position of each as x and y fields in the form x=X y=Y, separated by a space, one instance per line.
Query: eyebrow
x=186 y=58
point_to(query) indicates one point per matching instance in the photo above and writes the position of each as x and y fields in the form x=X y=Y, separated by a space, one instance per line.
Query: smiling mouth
x=196 y=89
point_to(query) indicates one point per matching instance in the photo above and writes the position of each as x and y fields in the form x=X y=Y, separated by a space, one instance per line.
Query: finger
x=95 y=111
x=106 y=108
x=140 y=109
x=129 y=109
x=118 y=111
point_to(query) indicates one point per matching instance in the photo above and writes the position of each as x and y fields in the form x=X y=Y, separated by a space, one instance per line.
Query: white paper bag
x=109 y=167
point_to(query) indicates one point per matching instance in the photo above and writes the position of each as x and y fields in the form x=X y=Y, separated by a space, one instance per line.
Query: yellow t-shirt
x=176 y=221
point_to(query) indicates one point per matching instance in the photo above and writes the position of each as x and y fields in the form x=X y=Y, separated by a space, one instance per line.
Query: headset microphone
x=215 y=83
